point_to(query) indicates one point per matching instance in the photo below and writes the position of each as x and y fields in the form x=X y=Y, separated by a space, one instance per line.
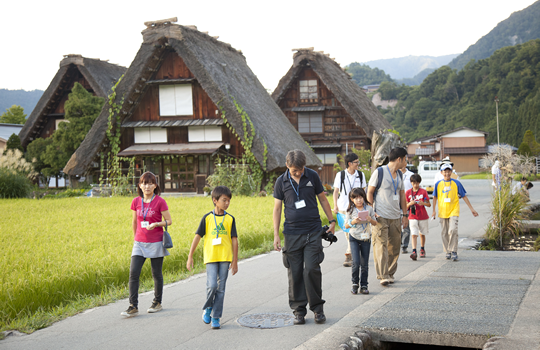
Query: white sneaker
x=384 y=282
x=155 y=307
x=390 y=279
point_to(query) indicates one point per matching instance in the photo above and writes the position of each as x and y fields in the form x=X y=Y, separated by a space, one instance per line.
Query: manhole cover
x=266 y=320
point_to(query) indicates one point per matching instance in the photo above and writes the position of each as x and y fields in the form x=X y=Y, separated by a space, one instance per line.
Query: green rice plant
x=507 y=212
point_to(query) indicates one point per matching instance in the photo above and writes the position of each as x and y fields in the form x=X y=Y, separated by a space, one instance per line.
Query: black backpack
x=380 y=176
x=359 y=175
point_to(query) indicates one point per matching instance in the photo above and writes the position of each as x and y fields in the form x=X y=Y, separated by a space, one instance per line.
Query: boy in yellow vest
x=220 y=253
x=446 y=194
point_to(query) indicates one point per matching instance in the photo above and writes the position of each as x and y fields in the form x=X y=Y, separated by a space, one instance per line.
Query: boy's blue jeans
x=216 y=278
x=360 y=257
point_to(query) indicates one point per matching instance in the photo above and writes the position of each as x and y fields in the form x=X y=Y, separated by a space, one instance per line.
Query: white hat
x=446 y=166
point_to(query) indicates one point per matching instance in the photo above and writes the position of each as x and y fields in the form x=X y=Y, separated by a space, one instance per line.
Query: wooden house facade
x=96 y=76
x=328 y=109
x=186 y=99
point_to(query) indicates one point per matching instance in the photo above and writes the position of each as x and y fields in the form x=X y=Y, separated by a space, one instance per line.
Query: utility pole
x=500 y=180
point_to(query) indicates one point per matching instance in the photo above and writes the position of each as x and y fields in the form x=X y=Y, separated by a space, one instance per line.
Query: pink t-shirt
x=420 y=196
x=155 y=208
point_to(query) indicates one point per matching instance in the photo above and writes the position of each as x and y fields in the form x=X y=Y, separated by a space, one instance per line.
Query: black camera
x=328 y=236
x=413 y=210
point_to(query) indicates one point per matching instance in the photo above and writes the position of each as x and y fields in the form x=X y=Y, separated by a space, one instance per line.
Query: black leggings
x=135 y=268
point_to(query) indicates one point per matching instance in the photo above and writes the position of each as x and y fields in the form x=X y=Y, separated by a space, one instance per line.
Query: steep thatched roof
x=348 y=93
x=101 y=76
x=225 y=76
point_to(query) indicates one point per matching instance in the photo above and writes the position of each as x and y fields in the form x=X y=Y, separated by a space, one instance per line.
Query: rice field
x=59 y=251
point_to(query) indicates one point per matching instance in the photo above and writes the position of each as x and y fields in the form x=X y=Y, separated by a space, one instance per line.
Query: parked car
x=428 y=170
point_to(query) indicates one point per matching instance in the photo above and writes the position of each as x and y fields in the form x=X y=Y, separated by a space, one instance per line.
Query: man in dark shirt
x=297 y=191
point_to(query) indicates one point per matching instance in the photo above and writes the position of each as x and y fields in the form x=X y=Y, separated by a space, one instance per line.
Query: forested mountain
x=365 y=75
x=447 y=99
x=408 y=67
x=23 y=98
x=520 y=27
x=417 y=79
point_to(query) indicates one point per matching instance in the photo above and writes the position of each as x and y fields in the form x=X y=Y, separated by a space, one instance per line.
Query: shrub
x=13 y=185
x=235 y=175
x=507 y=210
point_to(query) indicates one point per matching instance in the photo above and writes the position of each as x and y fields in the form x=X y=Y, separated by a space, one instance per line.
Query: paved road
x=259 y=287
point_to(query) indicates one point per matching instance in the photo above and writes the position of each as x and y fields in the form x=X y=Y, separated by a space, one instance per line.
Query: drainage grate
x=263 y=321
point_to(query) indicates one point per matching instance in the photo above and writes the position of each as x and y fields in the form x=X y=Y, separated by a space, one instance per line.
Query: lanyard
x=295 y=191
x=355 y=174
x=217 y=227
x=396 y=184
x=147 y=209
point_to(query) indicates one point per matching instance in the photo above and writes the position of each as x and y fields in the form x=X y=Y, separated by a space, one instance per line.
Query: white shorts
x=419 y=226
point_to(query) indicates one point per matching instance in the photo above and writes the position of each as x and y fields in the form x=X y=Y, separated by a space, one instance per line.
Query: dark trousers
x=360 y=260
x=405 y=237
x=302 y=256
x=135 y=268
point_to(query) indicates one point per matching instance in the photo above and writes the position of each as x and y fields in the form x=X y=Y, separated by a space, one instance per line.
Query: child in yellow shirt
x=220 y=253
x=446 y=194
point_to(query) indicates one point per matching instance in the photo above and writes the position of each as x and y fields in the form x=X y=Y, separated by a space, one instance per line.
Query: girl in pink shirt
x=148 y=210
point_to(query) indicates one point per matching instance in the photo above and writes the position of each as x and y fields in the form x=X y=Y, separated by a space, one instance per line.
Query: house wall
x=338 y=126
x=74 y=76
x=450 y=142
x=147 y=109
x=466 y=163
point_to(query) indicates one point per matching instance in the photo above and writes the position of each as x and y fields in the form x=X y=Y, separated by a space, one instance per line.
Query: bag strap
x=342 y=175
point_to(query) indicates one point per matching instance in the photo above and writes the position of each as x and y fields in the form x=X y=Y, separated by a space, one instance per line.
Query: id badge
x=144 y=224
x=396 y=197
x=447 y=200
x=216 y=241
x=300 y=204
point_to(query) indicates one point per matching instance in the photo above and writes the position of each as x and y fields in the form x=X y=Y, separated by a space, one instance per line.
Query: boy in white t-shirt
x=417 y=201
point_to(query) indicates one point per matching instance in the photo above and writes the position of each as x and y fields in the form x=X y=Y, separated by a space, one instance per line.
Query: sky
x=37 y=34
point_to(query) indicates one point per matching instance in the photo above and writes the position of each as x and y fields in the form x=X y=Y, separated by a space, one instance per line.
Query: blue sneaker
x=215 y=323
x=448 y=256
x=206 y=315
x=454 y=256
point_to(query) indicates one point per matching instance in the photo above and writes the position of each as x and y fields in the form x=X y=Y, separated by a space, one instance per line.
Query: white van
x=428 y=170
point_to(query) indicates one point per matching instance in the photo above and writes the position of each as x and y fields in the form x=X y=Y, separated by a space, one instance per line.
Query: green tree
x=365 y=75
x=13 y=115
x=14 y=142
x=34 y=153
x=530 y=141
x=524 y=150
x=82 y=109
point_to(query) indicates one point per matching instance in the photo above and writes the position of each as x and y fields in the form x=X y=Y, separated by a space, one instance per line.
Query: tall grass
x=507 y=212
x=58 y=252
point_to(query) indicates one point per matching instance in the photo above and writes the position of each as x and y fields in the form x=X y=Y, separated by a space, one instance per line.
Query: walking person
x=446 y=194
x=297 y=190
x=220 y=253
x=359 y=219
x=417 y=201
x=148 y=210
x=344 y=182
x=388 y=197
x=406 y=232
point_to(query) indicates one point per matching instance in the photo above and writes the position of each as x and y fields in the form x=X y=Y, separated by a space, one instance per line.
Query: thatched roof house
x=217 y=84
x=95 y=75
x=330 y=111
